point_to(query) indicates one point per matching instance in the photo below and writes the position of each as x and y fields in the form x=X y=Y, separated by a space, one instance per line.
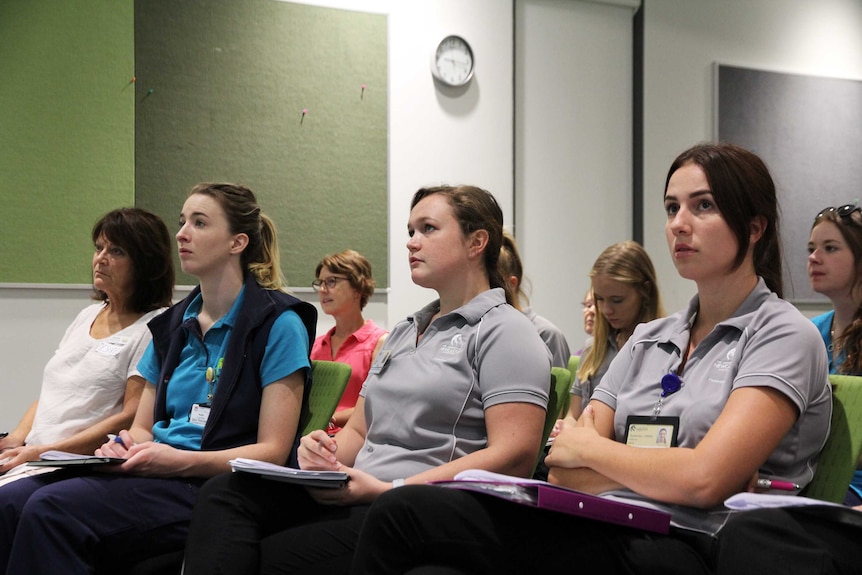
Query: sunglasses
x=844 y=212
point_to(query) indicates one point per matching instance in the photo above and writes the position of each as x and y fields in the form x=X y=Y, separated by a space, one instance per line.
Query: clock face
x=452 y=62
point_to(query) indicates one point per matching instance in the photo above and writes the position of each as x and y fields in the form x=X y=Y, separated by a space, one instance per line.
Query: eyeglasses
x=844 y=212
x=329 y=282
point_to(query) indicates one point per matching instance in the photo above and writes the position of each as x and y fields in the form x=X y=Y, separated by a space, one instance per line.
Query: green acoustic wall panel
x=66 y=132
x=269 y=94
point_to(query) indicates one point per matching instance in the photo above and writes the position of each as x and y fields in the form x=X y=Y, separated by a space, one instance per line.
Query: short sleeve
x=286 y=349
x=514 y=362
x=148 y=365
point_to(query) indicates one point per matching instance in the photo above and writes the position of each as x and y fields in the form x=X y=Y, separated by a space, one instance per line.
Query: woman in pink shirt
x=344 y=283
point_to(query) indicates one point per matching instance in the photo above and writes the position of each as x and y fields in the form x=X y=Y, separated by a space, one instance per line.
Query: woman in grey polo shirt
x=740 y=378
x=461 y=384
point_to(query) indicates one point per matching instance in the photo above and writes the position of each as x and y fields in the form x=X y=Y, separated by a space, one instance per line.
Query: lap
x=484 y=534
x=790 y=541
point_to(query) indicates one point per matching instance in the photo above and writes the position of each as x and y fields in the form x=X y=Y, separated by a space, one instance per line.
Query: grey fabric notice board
x=288 y=99
x=808 y=130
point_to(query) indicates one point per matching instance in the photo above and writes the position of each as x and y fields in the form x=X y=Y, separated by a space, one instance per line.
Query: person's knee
x=400 y=503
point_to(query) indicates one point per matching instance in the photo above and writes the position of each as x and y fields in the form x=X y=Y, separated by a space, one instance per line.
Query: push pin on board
x=148 y=94
x=133 y=80
x=362 y=92
x=302 y=117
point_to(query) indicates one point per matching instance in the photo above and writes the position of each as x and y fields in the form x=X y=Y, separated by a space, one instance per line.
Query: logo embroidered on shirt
x=454 y=346
x=725 y=365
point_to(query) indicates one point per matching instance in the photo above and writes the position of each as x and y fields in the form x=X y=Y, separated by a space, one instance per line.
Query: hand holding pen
x=117 y=445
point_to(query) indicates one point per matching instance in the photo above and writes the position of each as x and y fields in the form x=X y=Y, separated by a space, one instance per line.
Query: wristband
x=397 y=483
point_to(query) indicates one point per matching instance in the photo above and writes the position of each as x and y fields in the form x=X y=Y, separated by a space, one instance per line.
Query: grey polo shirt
x=766 y=343
x=427 y=406
x=553 y=338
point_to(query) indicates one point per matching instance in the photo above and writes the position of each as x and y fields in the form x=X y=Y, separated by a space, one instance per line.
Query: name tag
x=381 y=361
x=648 y=431
x=199 y=414
x=113 y=345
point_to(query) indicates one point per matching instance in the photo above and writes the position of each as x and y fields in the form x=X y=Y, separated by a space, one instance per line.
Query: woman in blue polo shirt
x=226 y=372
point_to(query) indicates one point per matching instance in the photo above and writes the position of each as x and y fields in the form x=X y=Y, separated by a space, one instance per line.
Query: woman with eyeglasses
x=740 y=374
x=835 y=270
x=462 y=383
x=344 y=284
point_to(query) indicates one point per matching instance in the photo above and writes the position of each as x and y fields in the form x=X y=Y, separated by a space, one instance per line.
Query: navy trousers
x=98 y=522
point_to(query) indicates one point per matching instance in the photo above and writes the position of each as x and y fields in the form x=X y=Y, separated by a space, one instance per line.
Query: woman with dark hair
x=91 y=386
x=462 y=383
x=835 y=270
x=226 y=372
x=740 y=375
x=344 y=284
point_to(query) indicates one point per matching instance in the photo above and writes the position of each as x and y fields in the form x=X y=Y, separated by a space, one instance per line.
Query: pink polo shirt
x=355 y=351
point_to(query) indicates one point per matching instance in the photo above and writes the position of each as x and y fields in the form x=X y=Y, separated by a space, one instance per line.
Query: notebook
x=325 y=479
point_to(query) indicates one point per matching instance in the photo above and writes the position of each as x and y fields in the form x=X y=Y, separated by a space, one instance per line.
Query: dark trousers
x=100 y=521
x=791 y=541
x=243 y=524
x=466 y=532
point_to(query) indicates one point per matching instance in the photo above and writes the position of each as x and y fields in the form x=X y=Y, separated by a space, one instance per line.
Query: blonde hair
x=625 y=262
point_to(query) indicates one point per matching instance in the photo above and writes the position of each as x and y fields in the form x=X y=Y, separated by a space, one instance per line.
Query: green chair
x=840 y=455
x=328 y=380
x=574 y=364
x=561 y=381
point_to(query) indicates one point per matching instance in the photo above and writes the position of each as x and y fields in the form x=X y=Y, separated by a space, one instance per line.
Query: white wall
x=573 y=168
x=683 y=38
x=571 y=78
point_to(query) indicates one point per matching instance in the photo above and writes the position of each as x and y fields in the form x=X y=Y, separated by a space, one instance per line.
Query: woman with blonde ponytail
x=225 y=377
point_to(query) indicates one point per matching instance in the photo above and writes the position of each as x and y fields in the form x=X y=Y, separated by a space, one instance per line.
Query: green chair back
x=328 y=380
x=840 y=455
x=561 y=381
x=574 y=364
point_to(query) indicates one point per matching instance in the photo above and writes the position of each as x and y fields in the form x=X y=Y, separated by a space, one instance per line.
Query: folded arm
x=749 y=428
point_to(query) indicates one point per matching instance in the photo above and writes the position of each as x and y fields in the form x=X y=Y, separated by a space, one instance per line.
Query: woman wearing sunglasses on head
x=344 y=284
x=835 y=270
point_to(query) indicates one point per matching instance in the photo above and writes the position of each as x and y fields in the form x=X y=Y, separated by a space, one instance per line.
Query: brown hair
x=355 y=267
x=476 y=209
x=850 y=341
x=510 y=264
x=145 y=237
x=742 y=189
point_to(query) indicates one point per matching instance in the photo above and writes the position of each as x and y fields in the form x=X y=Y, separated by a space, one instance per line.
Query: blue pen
x=116 y=438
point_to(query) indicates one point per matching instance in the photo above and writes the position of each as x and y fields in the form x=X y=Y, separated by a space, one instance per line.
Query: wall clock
x=452 y=62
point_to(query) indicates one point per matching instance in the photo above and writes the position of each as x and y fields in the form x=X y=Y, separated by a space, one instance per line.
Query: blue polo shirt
x=286 y=352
